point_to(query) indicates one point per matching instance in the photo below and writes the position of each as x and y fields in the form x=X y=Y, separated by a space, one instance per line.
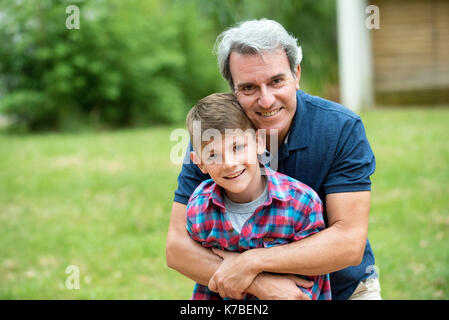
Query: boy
x=244 y=205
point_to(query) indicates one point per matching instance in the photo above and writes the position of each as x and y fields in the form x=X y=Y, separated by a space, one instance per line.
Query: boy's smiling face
x=231 y=161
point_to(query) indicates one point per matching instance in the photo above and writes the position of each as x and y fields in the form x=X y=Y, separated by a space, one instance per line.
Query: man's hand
x=270 y=286
x=233 y=276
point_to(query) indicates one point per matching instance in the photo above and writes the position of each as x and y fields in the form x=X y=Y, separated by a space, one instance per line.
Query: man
x=321 y=144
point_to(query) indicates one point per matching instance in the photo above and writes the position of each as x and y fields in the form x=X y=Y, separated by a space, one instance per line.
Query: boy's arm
x=199 y=264
x=337 y=247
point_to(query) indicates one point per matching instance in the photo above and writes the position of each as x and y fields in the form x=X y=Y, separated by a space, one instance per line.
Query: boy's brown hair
x=218 y=111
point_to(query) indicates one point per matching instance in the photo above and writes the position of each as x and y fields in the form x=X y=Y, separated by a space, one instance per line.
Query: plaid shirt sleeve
x=196 y=209
x=309 y=217
x=309 y=214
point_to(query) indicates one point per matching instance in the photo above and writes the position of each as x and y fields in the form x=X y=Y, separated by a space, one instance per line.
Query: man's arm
x=199 y=264
x=186 y=255
x=340 y=245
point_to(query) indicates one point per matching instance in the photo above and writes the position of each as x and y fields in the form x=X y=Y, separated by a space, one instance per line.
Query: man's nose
x=266 y=98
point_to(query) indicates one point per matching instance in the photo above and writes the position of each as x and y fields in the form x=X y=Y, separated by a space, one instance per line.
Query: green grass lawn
x=101 y=201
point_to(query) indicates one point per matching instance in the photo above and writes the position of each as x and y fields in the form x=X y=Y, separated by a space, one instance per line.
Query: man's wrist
x=256 y=286
x=252 y=260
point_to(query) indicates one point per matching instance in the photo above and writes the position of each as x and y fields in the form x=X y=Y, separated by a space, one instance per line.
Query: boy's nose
x=230 y=160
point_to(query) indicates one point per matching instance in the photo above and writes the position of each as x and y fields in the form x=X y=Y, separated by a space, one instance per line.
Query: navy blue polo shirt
x=326 y=149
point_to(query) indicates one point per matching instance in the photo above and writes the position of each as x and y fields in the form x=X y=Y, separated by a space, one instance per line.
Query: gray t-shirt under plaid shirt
x=239 y=213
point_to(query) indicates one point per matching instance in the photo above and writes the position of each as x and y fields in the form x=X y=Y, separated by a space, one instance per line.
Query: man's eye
x=277 y=81
x=247 y=88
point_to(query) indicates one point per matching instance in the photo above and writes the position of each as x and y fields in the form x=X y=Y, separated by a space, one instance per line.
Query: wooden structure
x=411 y=52
x=407 y=58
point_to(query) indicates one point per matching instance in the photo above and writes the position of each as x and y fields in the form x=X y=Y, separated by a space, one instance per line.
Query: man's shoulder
x=325 y=122
x=202 y=194
x=327 y=110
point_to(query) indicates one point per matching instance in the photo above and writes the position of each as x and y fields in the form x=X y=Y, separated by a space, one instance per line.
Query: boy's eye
x=239 y=147
x=212 y=156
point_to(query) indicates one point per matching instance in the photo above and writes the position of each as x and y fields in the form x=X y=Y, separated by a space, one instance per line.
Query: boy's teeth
x=269 y=114
x=234 y=175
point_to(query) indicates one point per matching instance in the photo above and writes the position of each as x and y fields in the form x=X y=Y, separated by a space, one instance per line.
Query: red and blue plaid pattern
x=291 y=212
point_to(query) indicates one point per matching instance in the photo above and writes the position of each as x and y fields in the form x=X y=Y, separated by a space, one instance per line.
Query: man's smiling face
x=266 y=89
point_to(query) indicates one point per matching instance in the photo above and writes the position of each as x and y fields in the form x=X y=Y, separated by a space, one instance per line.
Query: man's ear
x=261 y=141
x=298 y=76
x=196 y=160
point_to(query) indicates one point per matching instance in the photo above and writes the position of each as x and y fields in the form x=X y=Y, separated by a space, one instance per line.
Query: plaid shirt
x=291 y=212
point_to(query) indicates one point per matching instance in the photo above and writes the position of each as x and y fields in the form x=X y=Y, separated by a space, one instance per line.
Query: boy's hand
x=233 y=276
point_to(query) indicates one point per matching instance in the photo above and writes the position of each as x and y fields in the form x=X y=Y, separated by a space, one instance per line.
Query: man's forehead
x=262 y=57
x=243 y=67
x=259 y=54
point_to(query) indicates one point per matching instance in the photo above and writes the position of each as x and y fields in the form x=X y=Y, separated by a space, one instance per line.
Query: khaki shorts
x=368 y=289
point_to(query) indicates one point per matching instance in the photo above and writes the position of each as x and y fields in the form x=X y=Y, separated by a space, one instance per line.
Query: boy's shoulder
x=287 y=185
x=203 y=193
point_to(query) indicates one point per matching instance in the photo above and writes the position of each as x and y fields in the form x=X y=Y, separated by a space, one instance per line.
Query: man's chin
x=271 y=131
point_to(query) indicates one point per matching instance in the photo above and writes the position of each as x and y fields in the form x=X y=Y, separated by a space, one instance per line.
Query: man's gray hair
x=255 y=37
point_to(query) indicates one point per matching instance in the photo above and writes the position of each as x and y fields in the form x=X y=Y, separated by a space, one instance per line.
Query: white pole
x=354 y=48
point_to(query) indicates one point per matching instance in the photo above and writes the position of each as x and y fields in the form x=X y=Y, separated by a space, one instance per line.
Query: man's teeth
x=269 y=114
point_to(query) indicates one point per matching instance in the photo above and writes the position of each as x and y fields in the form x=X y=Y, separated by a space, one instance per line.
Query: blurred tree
x=129 y=63
x=312 y=22
x=135 y=62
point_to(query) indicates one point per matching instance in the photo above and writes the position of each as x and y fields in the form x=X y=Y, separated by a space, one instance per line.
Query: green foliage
x=129 y=63
x=312 y=22
x=136 y=62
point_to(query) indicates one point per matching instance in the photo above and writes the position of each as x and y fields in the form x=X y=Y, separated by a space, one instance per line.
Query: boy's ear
x=261 y=142
x=196 y=160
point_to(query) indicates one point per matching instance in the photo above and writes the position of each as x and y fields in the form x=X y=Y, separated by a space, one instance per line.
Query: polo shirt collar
x=298 y=135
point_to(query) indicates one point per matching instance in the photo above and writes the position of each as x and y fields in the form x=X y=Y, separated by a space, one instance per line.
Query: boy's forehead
x=237 y=135
x=229 y=138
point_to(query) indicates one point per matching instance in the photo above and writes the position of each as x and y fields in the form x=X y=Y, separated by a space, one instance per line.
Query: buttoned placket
x=244 y=232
